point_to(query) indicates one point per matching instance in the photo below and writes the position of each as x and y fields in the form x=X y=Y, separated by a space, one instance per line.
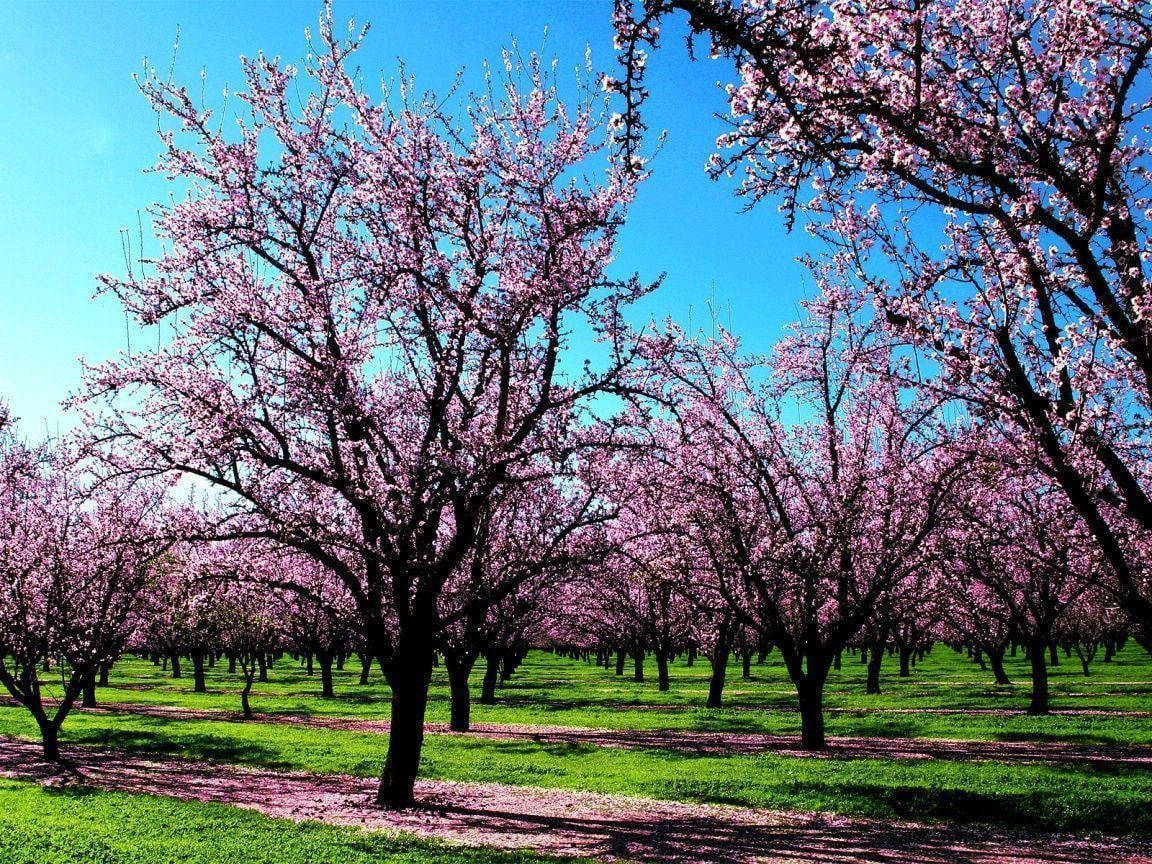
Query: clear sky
x=76 y=136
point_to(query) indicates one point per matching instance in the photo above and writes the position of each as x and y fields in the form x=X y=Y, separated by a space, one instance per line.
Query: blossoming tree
x=983 y=164
x=806 y=524
x=365 y=312
x=76 y=553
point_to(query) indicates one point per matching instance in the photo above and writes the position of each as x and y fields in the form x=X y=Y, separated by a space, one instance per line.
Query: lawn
x=1104 y=797
x=553 y=690
x=71 y=826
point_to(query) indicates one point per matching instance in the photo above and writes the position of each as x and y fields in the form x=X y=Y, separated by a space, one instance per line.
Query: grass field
x=1114 y=799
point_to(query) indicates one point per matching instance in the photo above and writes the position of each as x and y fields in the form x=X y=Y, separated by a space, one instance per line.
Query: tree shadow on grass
x=563 y=822
x=205 y=746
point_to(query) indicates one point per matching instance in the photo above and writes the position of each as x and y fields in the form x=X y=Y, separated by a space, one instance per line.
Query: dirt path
x=562 y=822
x=715 y=743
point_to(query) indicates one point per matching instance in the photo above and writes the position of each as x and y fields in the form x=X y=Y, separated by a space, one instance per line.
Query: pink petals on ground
x=610 y=827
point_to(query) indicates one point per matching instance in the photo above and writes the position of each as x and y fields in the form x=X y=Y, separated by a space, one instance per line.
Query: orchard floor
x=943 y=766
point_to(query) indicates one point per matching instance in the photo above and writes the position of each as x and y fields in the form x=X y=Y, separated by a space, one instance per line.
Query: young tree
x=904 y=619
x=76 y=553
x=251 y=628
x=641 y=587
x=538 y=535
x=319 y=615
x=370 y=307
x=1028 y=549
x=179 y=614
x=984 y=163
x=804 y=525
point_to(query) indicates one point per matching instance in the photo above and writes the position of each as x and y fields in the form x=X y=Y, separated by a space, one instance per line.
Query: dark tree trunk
x=340 y=662
x=1039 y=703
x=662 y=682
x=105 y=668
x=978 y=657
x=746 y=669
x=326 y=675
x=459 y=671
x=231 y=664
x=1053 y=655
x=875 y=661
x=308 y=660
x=720 y=666
x=1086 y=653
x=365 y=667
x=262 y=664
x=996 y=660
x=199 y=685
x=811 y=695
x=50 y=739
x=638 y=666
x=411 y=674
x=88 y=693
x=244 y=703
x=905 y=661
x=620 y=657
x=176 y=673
x=491 y=678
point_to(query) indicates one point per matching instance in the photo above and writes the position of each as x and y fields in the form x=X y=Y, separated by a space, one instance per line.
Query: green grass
x=1107 y=797
x=75 y=826
x=556 y=691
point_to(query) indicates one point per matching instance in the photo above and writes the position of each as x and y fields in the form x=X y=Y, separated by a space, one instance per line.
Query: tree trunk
x=411 y=674
x=198 y=673
x=978 y=658
x=248 y=678
x=491 y=677
x=50 y=739
x=996 y=660
x=262 y=663
x=620 y=657
x=365 y=667
x=638 y=666
x=1039 y=703
x=746 y=669
x=326 y=675
x=459 y=671
x=719 y=666
x=1086 y=654
x=88 y=693
x=662 y=682
x=105 y=668
x=811 y=694
x=905 y=658
x=875 y=660
x=231 y=664
x=176 y=673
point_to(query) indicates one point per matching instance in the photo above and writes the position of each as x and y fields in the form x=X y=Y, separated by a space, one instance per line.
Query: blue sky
x=77 y=136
